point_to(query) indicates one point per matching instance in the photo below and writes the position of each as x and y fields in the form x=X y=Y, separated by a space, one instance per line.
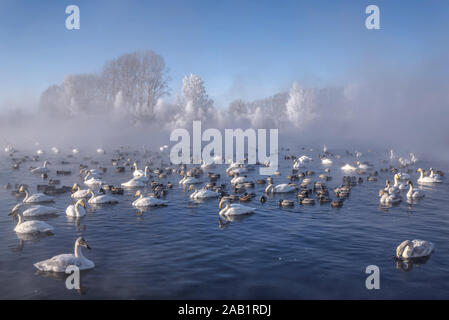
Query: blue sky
x=242 y=49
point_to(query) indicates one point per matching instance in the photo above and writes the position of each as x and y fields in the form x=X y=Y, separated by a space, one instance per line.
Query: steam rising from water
x=400 y=108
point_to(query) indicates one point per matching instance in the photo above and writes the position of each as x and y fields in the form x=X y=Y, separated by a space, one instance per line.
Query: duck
x=427 y=180
x=101 y=199
x=414 y=249
x=35 y=198
x=412 y=193
x=386 y=198
x=78 y=193
x=202 y=193
x=280 y=188
x=307 y=201
x=76 y=210
x=60 y=262
x=234 y=209
x=41 y=170
x=337 y=203
x=29 y=227
x=147 y=201
x=286 y=203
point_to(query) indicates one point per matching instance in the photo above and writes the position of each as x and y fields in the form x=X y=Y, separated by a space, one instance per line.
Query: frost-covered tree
x=299 y=107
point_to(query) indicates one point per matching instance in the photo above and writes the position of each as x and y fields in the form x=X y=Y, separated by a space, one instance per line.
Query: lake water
x=180 y=252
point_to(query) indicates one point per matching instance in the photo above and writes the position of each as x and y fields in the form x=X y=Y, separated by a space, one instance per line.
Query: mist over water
x=404 y=107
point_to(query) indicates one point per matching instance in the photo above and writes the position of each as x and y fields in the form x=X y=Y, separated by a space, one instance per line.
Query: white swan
x=79 y=193
x=35 y=198
x=76 y=210
x=40 y=170
x=137 y=172
x=326 y=161
x=101 y=199
x=93 y=181
x=101 y=151
x=414 y=249
x=33 y=226
x=403 y=176
x=433 y=174
x=391 y=190
x=202 y=193
x=348 y=167
x=425 y=180
x=412 y=193
x=234 y=209
x=60 y=262
x=147 y=201
x=401 y=186
x=386 y=198
x=189 y=180
x=55 y=150
x=136 y=182
x=38 y=211
x=280 y=188
x=237 y=179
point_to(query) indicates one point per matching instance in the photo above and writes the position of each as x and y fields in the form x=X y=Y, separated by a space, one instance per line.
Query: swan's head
x=137 y=194
x=81 y=242
x=396 y=177
x=191 y=187
x=381 y=193
x=409 y=182
x=431 y=169
x=419 y=170
x=75 y=187
x=16 y=209
x=22 y=188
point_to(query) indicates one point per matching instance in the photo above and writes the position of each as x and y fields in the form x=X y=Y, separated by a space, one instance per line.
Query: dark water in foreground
x=179 y=251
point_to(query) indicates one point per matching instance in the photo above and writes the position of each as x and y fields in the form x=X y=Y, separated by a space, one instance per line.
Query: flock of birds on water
x=94 y=191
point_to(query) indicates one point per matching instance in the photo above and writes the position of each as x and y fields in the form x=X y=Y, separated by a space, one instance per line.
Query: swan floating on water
x=93 y=181
x=280 y=188
x=101 y=199
x=202 y=193
x=414 y=249
x=401 y=186
x=33 y=226
x=189 y=180
x=76 y=210
x=38 y=211
x=412 y=193
x=386 y=198
x=234 y=209
x=425 y=180
x=79 y=193
x=348 y=167
x=60 y=262
x=147 y=201
x=136 y=182
x=35 y=198
x=40 y=170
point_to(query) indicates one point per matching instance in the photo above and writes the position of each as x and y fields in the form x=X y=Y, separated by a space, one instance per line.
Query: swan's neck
x=77 y=205
x=140 y=197
x=422 y=175
x=19 y=218
x=222 y=211
x=45 y=164
x=410 y=191
x=93 y=195
x=27 y=195
x=395 y=181
x=78 y=251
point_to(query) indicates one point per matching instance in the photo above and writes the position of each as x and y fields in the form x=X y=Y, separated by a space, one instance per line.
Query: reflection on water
x=186 y=250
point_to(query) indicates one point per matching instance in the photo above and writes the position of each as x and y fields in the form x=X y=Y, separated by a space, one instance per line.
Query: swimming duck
x=29 y=227
x=35 y=198
x=414 y=249
x=309 y=201
x=60 y=262
x=337 y=203
x=286 y=203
